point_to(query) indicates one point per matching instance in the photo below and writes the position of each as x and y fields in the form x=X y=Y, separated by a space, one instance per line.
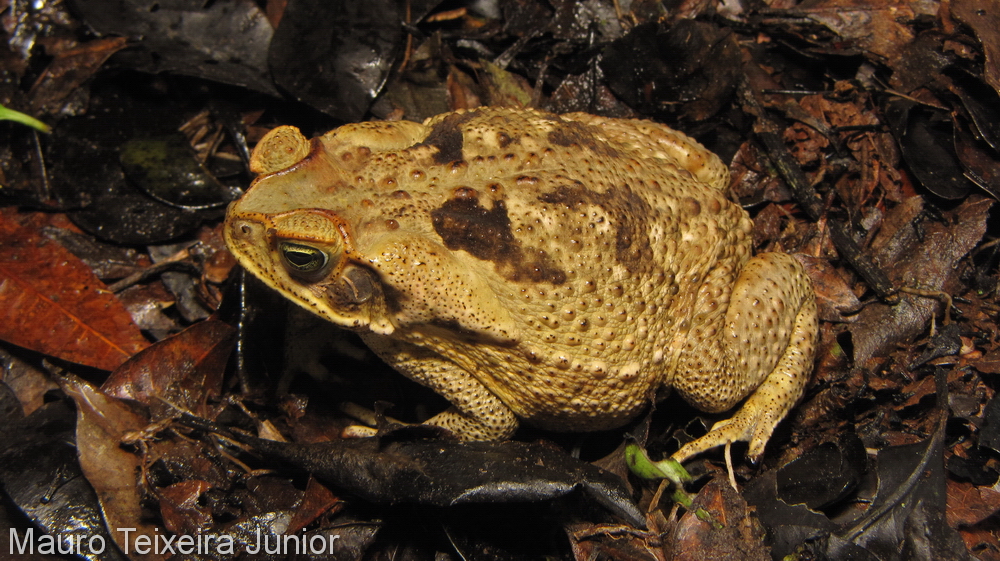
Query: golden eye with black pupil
x=302 y=258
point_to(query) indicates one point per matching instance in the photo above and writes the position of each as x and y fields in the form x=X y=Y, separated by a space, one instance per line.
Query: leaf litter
x=864 y=141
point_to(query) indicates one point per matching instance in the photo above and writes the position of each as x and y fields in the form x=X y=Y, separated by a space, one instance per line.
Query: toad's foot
x=772 y=400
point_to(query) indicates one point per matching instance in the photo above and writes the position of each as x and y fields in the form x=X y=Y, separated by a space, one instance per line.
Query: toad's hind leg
x=764 y=347
x=476 y=412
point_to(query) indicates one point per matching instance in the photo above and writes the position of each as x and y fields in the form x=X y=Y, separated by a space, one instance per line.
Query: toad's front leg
x=764 y=348
x=476 y=412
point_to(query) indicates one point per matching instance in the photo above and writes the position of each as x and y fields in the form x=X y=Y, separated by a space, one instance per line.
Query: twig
x=811 y=202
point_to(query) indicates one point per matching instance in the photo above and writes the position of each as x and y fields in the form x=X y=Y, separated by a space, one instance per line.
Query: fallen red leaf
x=180 y=509
x=52 y=303
x=969 y=504
x=316 y=501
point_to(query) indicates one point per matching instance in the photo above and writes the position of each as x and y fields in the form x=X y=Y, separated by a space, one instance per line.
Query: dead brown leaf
x=989 y=363
x=30 y=384
x=179 y=507
x=984 y=19
x=927 y=262
x=741 y=538
x=183 y=370
x=69 y=70
x=876 y=28
x=982 y=539
x=316 y=501
x=101 y=424
x=834 y=297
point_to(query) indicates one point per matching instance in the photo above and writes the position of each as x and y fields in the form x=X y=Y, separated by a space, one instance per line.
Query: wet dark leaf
x=40 y=474
x=788 y=525
x=446 y=473
x=189 y=301
x=349 y=540
x=983 y=18
x=165 y=168
x=977 y=468
x=105 y=260
x=69 y=70
x=824 y=476
x=982 y=166
x=585 y=92
x=594 y=22
x=921 y=63
x=10 y=406
x=689 y=68
x=906 y=518
x=945 y=342
x=225 y=41
x=904 y=521
x=925 y=138
x=420 y=92
x=498 y=532
x=989 y=433
x=349 y=55
x=89 y=175
x=982 y=104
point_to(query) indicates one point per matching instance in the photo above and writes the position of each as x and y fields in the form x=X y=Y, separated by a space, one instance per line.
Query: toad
x=561 y=270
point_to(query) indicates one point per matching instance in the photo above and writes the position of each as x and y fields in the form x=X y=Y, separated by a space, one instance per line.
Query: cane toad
x=557 y=269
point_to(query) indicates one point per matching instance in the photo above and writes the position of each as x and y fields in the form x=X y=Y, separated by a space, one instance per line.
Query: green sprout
x=7 y=114
x=639 y=463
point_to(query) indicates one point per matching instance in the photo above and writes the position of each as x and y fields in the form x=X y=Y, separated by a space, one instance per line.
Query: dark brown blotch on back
x=486 y=234
x=504 y=140
x=628 y=213
x=447 y=137
x=570 y=133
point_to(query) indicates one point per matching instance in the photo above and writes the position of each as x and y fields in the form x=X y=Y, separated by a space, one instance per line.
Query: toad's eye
x=302 y=258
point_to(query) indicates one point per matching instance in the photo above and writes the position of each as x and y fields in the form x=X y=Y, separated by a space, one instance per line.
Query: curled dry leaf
x=101 y=423
x=834 y=297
